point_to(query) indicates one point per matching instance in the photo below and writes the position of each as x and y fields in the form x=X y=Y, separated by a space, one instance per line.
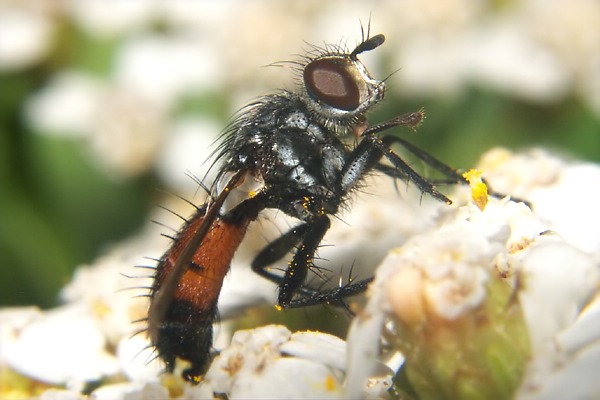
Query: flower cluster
x=491 y=297
x=500 y=301
x=494 y=303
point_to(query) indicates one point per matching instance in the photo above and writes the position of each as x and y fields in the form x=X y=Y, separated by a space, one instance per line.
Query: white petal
x=557 y=280
x=585 y=331
x=569 y=203
x=572 y=372
x=288 y=378
x=365 y=332
x=138 y=360
x=325 y=349
x=128 y=391
x=62 y=346
x=269 y=362
x=60 y=394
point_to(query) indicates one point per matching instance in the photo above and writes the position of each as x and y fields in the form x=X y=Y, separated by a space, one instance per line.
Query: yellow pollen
x=479 y=192
x=330 y=383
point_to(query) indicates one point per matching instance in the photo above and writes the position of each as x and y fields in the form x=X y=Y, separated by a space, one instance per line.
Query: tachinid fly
x=285 y=151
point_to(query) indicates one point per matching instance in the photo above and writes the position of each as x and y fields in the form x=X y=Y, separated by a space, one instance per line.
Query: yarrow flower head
x=479 y=306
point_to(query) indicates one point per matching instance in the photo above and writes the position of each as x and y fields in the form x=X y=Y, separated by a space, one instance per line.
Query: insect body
x=283 y=152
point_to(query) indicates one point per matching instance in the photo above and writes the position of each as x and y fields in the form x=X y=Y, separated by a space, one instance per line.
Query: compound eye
x=330 y=81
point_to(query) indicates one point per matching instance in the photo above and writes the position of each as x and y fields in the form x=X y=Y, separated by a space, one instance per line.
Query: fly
x=285 y=152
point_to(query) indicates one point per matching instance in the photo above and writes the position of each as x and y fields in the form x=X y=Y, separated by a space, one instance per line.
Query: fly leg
x=367 y=156
x=305 y=238
x=454 y=176
x=400 y=169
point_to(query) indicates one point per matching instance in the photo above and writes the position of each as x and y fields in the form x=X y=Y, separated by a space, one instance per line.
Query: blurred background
x=106 y=105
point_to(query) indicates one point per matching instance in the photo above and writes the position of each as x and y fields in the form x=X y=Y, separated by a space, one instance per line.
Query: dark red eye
x=329 y=81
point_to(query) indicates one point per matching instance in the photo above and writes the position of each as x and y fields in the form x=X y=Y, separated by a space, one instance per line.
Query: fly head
x=338 y=88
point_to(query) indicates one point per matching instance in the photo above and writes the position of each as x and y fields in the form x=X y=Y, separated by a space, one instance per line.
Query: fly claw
x=285 y=151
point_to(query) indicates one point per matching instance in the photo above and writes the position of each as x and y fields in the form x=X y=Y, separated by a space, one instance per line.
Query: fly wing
x=163 y=297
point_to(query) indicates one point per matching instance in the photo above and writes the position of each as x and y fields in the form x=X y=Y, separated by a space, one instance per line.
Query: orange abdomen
x=185 y=331
x=201 y=283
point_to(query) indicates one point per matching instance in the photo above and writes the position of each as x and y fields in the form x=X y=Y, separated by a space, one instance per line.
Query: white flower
x=537 y=50
x=163 y=69
x=189 y=144
x=61 y=394
x=574 y=44
x=124 y=391
x=271 y=362
x=138 y=359
x=62 y=346
x=128 y=132
x=112 y=18
x=113 y=288
x=71 y=345
x=123 y=131
x=67 y=105
x=505 y=57
x=495 y=283
x=25 y=37
x=562 y=194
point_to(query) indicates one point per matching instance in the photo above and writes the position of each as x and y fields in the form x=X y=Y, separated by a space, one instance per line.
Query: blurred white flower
x=505 y=57
x=125 y=391
x=164 y=69
x=64 y=346
x=535 y=50
x=114 y=288
x=243 y=288
x=138 y=360
x=201 y=18
x=67 y=105
x=75 y=344
x=123 y=132
x=112 y=18
x=189 y=143
x=25 y=37
x=61 y=394
x=128 y=132
x=570 y=30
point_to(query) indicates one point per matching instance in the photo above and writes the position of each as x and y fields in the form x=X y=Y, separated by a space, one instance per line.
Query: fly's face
x=339 y=88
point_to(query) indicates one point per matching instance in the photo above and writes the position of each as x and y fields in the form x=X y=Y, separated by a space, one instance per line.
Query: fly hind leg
x=293 y=291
